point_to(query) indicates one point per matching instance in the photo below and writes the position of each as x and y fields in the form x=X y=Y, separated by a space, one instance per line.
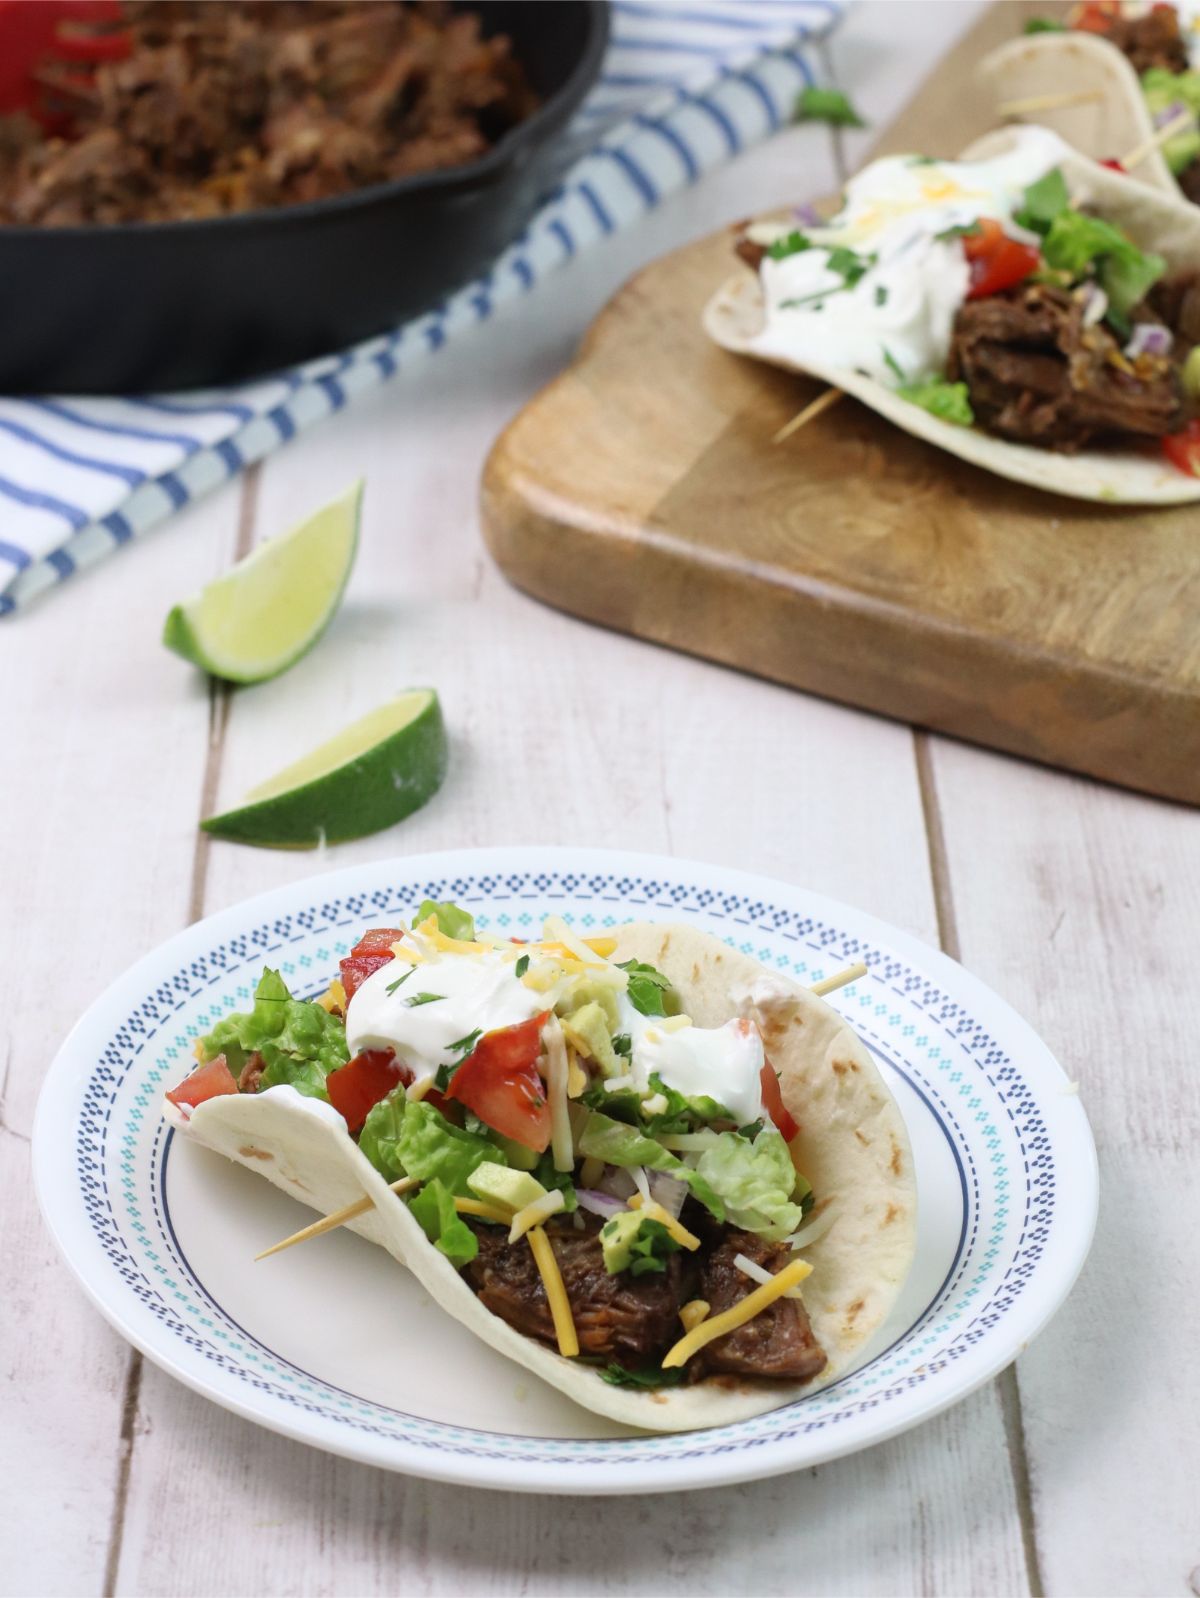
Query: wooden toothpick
x=1179 y=123
x=328 y=1223
x=839 y=979
x=821 y=403
x=1047 y=102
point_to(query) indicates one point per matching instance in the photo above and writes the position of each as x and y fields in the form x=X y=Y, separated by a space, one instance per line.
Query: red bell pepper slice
x=499 y=1081
x=209 y=1082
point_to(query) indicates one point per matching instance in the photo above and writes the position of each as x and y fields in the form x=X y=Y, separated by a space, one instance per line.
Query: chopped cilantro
x=827 y=105
x=392 y=986
x=961 y=230
x=892 y=364
x=422 y=998
x=881 y=294
x=646 y=987
x=1043 y=25
x=522 y=965
x=791 y=244
x=623 y=1044
x=651 y=1377
x=849 y=266
x=465 y=1046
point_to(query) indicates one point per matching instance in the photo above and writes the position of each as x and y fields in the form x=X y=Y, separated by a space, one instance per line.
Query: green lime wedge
x=368 y=777
x=271 y=608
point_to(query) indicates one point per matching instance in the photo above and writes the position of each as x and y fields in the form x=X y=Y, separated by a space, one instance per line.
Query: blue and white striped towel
x=685 y=85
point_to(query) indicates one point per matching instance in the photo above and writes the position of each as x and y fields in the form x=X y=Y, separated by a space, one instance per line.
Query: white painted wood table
x=1076 y=1472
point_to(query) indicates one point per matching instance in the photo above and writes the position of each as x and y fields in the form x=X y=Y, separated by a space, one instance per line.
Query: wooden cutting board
x=641 y=490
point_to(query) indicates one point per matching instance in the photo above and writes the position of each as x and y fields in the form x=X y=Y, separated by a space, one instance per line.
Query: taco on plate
x=1108 y=77
x=1023 y=308
x=666 y=1180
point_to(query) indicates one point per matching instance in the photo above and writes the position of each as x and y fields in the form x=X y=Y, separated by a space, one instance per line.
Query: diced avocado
x=617 y=1238
x=505 y=1186
x=588 y=1029
x=519 y=1157
x=586 y=992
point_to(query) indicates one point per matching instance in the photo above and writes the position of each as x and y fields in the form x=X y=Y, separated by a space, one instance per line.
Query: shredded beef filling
x=634 y=1320
x=222 y=108
x=779 y=1341
x=1152 y=40
x=1036 y=374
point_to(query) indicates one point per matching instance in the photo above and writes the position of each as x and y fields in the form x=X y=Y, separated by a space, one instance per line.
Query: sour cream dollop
x=722 y=1063
x=893 y=322
x=466 y=993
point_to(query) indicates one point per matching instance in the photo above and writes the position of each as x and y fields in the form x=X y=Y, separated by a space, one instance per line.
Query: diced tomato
x=500 y=1083
x=1183 y=449
x=996 y=261
x=1113 y=166
x=209 y=1082
x=356 y=1088
x=772 y=1097
x=373 y=950
x=1095 y=16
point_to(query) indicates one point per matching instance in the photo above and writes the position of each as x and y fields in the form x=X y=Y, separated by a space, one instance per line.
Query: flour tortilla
x=734 y=318
x=852 y=1146
x=1112 y=125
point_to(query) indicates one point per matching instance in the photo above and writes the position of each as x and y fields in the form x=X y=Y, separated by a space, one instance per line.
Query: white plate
x=335 y=1345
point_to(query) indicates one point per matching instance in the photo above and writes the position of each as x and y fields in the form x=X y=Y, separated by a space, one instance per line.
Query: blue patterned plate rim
x=1013 y=1123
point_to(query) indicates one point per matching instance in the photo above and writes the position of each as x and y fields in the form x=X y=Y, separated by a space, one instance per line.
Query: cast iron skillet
x=162 y=305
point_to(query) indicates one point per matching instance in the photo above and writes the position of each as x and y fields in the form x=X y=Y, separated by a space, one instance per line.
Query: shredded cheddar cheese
x=534 y=1214
x=334 y=998
x=416 y=1091
x=556 y=1293
x=654 y=1211
x=692 y=1314
x=745 y=1310
x=486 y=1212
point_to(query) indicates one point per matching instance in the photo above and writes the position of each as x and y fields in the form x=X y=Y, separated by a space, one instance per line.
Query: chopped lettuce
x=300 y=1042
x=827 y=105
x=653 y=1376
x=949 y=401
x=755 y=1181
x=550 y=1179
x=379 y=1139
x=434 y=1209
x=452 y=921
x=406 y=1139
x=1076 y=242
x=681 y=1114
x=617 y=1143
x=431 y=1149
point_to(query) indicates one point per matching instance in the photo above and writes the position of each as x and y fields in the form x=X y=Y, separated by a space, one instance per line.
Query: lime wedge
x=368 y=777
x=271 y=608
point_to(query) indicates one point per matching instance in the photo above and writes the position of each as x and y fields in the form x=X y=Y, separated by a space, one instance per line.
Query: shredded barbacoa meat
x=1151 y=40
x=1036 y=374
x=237 y=106
x=634 y=1320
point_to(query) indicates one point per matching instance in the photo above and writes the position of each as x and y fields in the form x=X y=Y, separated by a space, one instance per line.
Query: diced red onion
x=1149 y=339
x=668 y=1192
x=598 y=1203
x=808 y=214
x=1169 y=113
x=617 y=1183
x=1094 y=301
